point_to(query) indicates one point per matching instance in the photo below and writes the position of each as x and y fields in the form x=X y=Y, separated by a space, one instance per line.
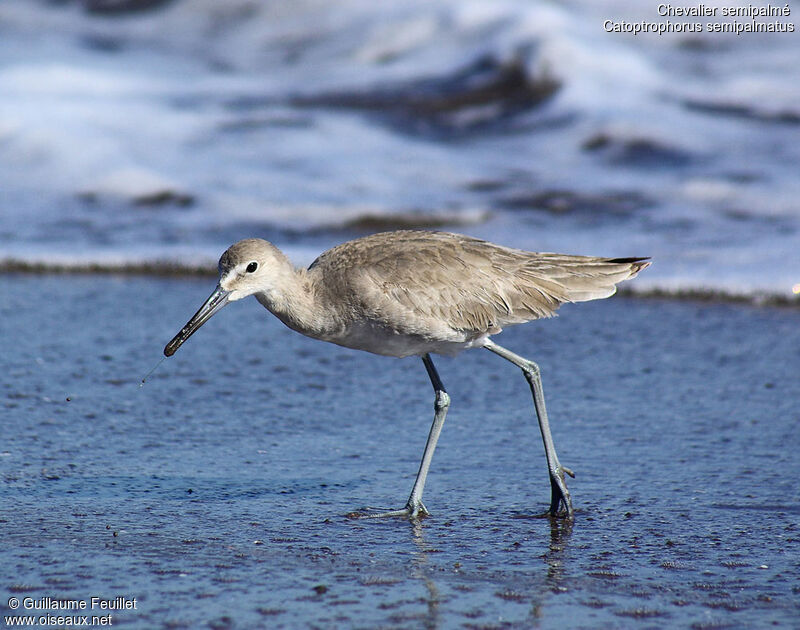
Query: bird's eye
x=252 y=267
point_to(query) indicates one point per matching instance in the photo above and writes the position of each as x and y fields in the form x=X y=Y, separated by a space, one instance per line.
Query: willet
x=415 y=293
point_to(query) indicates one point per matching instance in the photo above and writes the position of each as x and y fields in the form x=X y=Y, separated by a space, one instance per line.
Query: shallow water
x=215 y=495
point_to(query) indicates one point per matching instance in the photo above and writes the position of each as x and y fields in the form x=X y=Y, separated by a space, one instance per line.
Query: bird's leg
x=440 y=406
x=559 y=492
x=414 y=507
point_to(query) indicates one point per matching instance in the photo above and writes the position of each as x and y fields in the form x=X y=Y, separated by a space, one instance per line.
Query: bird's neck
x=293 y=300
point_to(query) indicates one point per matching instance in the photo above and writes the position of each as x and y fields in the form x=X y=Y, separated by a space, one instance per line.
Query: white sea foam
x=678 y=147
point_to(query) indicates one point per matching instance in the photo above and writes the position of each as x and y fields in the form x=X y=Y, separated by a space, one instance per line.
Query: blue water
x=163 y=135
x=216 y=494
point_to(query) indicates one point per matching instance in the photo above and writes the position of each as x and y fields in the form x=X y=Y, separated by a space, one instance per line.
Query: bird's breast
x=378 y=339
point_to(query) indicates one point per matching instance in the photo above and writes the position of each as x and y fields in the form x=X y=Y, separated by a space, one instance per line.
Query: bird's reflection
x=555 y=557
x=560 y=532
x=422 y=572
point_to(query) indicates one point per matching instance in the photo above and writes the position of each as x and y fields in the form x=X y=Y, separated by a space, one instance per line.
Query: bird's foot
x=559 y=495
x=412 y=511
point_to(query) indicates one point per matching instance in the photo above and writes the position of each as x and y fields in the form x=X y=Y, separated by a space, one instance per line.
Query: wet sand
x=216 y=494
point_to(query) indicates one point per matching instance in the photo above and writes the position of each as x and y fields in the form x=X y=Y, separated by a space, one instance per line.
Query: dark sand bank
x=177 y=269
x=215 y=495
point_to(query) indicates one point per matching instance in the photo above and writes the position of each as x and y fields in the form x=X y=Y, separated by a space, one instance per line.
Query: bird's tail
x=599 y=278
x=558 y=278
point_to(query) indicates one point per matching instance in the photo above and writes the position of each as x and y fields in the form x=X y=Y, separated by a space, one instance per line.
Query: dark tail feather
x=637 y=264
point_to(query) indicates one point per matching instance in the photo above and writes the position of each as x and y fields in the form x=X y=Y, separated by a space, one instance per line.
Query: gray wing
x=424 y=280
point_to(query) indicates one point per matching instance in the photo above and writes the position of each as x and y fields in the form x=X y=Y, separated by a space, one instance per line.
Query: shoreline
x=173 y=269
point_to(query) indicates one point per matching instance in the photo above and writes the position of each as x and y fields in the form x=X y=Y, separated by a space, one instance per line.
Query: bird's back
x=441 y=292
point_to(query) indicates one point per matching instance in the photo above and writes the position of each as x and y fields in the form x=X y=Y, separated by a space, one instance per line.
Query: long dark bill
x=215 y=302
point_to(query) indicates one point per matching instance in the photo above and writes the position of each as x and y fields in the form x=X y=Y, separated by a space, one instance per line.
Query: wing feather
x=429 y=283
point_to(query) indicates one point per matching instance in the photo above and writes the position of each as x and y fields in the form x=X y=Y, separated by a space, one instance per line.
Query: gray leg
x=440 y=406
x=559 y=493
x=414 y=507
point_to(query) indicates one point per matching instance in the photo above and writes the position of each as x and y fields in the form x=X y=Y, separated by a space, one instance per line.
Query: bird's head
x=247 y=267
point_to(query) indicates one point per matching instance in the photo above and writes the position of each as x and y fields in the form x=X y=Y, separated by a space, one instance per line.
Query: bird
x=417 y=293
